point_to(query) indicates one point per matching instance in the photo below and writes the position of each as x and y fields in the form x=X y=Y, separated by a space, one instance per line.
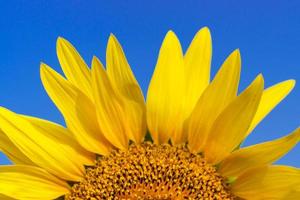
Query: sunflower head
x=149 y=171
x=183 y=142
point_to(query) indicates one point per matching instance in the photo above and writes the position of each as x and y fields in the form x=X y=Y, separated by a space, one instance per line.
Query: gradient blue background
x=267 y=33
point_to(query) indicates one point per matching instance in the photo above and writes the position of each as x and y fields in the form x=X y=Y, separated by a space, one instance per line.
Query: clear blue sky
x=267 y=33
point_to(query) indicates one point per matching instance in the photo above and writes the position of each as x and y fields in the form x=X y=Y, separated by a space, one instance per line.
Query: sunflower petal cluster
x=104 y=109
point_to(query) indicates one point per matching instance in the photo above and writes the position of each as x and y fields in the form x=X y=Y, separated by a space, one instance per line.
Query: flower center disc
x=151 y=172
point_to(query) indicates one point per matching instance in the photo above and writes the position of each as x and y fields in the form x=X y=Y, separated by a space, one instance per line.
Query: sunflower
x=183 y=143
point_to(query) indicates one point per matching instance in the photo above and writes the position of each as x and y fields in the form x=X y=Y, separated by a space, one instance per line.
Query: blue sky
x=266 y=32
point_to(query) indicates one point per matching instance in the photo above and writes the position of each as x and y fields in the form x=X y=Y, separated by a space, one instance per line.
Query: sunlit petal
x=110 y=107
x=123 y=79
x=78 y=110
x=257 y=155
x=165 y=112
x=274 y=182
x=30 y=183
x=74 y=67
x=230 y=127
x=212 y=102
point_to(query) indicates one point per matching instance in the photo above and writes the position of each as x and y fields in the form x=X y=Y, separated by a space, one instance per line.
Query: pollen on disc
x=151 y=172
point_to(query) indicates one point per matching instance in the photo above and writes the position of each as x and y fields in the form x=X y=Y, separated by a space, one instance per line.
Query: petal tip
x=112 y=39
x=42 y=64
x=60 y=40
x=260 y=80
x=237 y=52
x=205 y=30
x=292 y=83
x=171 y=35
x=260 y=77
x=171 y=41
x=44 y=67
x=95 y=60
x=297 y=132
x=96 y=63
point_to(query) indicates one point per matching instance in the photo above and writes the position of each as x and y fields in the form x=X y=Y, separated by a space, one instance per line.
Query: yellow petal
x=135 y=119
x=12 y=152
x=110 y=107
x=65 y=137
x=30 y=183
x=78 y=110
x=4 y=197
x=197 y=62
x=270 y=98
x=119 y=71
x=212 y=102
x=164 y=104
x=73 y=66
x=230 y=127
x=123 y=80
x=257 y=155
x=46 y=149
x=294 y=194
x=262 y=183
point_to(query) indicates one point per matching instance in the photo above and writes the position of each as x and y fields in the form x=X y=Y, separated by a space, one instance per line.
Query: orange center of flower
x=151 y=172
